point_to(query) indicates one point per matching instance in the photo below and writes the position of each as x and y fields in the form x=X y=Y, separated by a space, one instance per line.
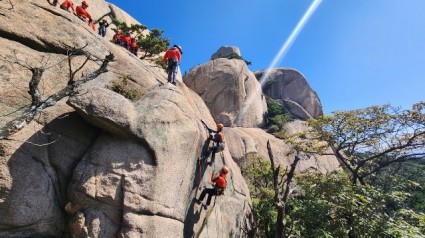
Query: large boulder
x=245 y=141
x=230 y=91
x=107 y=110
x=142 y=186
x=226 y=52
x=289 y=85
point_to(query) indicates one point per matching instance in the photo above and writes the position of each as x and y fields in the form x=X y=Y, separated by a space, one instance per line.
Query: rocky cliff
x=96 y=164
x=291 y=88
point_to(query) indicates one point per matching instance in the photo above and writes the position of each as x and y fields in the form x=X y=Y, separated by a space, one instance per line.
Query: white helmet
x=179 y=48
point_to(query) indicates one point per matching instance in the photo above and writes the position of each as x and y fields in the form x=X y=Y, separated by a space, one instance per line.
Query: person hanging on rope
x=219 y=187
x=172 y=58
x=218 y=141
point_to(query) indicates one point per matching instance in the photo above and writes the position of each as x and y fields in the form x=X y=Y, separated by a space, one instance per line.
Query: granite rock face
x=230 y=91
x=289 y=85
x=244 y=141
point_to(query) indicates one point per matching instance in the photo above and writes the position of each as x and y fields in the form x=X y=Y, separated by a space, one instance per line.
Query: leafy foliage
x=332 y=207
x=367 y=140
x=273 y=108
x=276 y=115
x=259 y=175
x=153 y=44
x=150 y=44
x=281 y=120
x=126 y=88
x=411 y=175
x=133 y=28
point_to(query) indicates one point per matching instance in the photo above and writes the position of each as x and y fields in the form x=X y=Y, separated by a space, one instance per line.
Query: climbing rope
x=202 y=160
x=205 y=222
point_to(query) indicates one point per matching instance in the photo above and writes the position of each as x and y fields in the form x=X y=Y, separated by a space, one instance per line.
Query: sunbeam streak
x=281 y=54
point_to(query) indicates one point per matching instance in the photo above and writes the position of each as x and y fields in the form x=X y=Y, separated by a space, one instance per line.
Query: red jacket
x=172 y=53
x=82 y=12
x=220 y=181
x=68 y=4
x=134 y=45
x=92 y=25
x=117 y=36
x=126 y=39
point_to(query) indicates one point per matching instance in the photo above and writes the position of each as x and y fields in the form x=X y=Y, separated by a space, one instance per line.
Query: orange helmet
x=224 y=170
x=220 y=127
x=84 y=3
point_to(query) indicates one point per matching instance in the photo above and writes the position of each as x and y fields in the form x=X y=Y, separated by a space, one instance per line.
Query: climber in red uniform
x=133 y=46
x=67 y=5
x=117 y=37
x=220 y=186
x=172 y=57
x=126 y=40
x=218 y=141
x=81 y=11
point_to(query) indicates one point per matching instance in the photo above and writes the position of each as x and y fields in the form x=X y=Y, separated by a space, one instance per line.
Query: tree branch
x=20 y=122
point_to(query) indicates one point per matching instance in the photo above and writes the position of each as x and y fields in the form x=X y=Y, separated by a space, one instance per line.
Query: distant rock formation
x=244 y=141
x=292 y=88
x=230 y=91
x=226 y=51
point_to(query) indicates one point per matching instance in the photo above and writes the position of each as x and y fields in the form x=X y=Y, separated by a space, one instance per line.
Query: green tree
x=331 y=206
x=276 y=115
x=153 y=43
x=273 y=108
x=132 y=29
x=367 y=140
x=410 y=174
x=270 y=187
x=259 y=175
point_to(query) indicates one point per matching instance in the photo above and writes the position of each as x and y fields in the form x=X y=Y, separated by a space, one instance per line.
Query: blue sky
x=354 y=53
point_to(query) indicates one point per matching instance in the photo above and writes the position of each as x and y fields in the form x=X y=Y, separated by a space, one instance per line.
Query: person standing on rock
x=102 y=27
x=172 y=58
x=218 y=141
x=219 y=187
x=82 y=12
